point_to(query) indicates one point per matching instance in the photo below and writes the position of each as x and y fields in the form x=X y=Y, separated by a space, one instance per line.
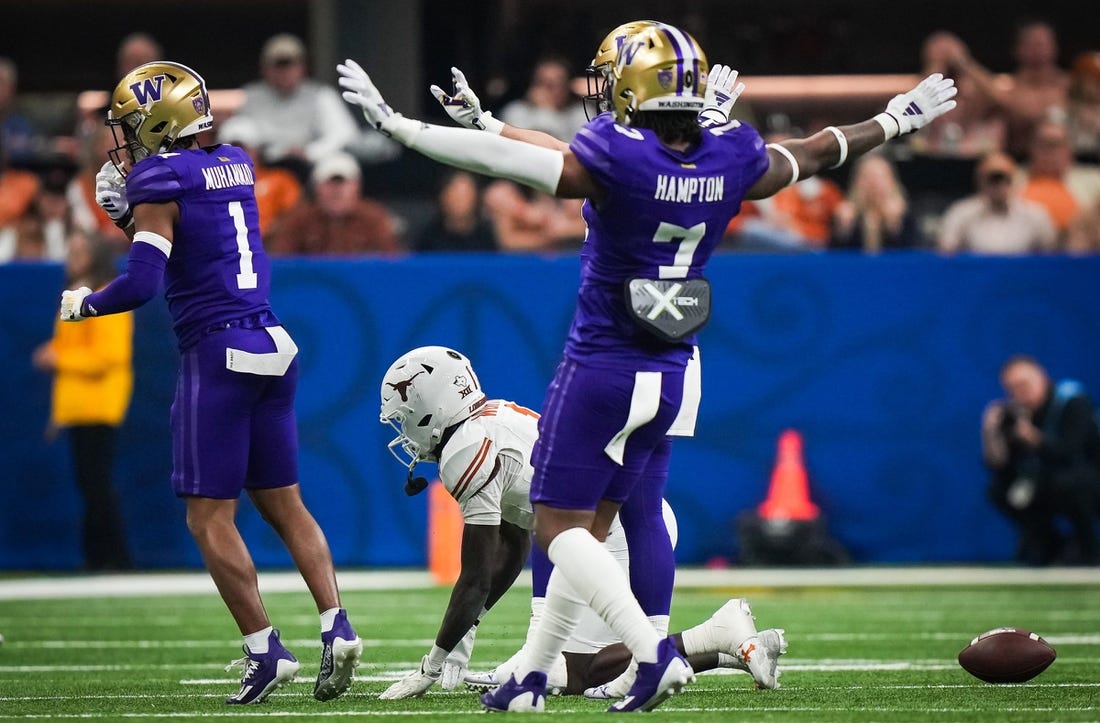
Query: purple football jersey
x=218 y=271
x=664 y=214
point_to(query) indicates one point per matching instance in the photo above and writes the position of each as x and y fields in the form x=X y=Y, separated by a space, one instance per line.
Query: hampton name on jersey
x=217 y=270
x=486 y=464
x=664 y=214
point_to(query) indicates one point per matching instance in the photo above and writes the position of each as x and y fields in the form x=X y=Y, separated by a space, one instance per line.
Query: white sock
x=697 y=640
x=545 y=640
x=736 y=625
x=257 y=642
x=660 y=624
x=328 y=619
x=599 y=580
x=725 y=660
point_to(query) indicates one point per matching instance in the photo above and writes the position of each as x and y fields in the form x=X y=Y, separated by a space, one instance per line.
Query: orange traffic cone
x=789 y=493
x=444 y=535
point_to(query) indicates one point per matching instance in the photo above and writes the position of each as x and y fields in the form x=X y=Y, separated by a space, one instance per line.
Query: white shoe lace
x=248 y=665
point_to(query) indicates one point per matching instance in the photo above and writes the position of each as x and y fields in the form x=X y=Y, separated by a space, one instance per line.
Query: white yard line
x=40 y=587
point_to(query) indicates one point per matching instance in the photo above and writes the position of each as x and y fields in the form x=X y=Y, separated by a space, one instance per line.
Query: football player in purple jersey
x=191 y=214
x=660 y=190
x=640 y=517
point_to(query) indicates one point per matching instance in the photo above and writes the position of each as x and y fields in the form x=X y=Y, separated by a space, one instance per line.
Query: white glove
x=464 y=107
x=723 y=90
x=454 y=667
x=919 y=107
x=71 y=301
x=110 y=194
x=359 y=90
x=413 y=685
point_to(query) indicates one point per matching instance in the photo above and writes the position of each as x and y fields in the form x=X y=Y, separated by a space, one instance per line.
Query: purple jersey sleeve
x=664 y=213
x=217 y=273
x=153 y=180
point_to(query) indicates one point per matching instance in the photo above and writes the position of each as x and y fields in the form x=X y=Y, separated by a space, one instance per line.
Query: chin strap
x=415 y=485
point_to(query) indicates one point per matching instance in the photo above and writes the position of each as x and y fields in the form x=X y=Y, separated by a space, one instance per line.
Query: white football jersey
x=486 y=465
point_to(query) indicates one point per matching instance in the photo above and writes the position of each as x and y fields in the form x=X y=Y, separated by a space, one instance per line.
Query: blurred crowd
x=1028 y=142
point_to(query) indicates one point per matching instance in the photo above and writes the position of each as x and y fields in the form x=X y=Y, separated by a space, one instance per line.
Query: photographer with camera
x=1042 y=447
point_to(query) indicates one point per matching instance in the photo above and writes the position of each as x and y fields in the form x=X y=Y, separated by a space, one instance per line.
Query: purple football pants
x=603 y=435
x=232 y=430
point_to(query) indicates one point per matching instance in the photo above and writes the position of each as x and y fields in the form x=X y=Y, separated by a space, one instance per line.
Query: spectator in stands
x=1084 y=233
x=52 y=208
x=995 y=220
x=1049 y=159
x=1084 y=108
x=527 y=220
x=1042 y=447
x=18 y=190
x=975 y=127
x=876 y=216
x=797 y=218
x=277 y=189
x=458 y=224
x=549 y=104
x=136 y=49
x=21 y=139
x=92 y=382
x=1036 y=87
x=300 y=120
x=338 y=220
x=87 y=216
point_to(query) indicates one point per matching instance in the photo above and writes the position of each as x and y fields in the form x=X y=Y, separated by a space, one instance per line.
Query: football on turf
x=1006 y=655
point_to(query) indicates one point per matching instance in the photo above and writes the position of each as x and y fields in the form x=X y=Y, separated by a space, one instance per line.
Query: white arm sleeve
x=485 y=153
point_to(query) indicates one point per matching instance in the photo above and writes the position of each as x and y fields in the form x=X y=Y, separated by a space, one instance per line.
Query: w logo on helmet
x=148 y=90
x=628 y=51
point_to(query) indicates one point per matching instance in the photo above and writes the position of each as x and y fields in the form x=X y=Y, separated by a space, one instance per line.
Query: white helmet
x=424 y=392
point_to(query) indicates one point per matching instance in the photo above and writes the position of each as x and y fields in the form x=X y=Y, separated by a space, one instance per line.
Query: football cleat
x=526 y=697
x=760 y=655
x=656 y=682
x=481 y=682
x=341 y=649
x=263 y=672
x=557 y=678
x=616 y=688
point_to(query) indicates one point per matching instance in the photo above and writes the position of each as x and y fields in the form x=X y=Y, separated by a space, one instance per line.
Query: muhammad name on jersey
x=229 y=174
x=689 y=189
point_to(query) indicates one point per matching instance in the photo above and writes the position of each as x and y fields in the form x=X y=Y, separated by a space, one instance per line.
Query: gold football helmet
x=661 y=68
x=599 y=70
x=155 y=105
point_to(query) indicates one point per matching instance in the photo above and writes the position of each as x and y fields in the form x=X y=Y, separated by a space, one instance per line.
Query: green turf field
x=856 y=654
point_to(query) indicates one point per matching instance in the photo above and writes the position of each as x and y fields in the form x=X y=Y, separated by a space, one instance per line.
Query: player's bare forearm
x=471 y=590
x=815 y=154
x=515 y=545
x=821 y=151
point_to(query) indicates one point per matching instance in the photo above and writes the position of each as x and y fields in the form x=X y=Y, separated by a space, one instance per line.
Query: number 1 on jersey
x=246 y=279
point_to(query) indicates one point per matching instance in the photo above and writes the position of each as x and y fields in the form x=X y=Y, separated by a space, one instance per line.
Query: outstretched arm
x=464 y=108
x=485 y=153
x=791 y=161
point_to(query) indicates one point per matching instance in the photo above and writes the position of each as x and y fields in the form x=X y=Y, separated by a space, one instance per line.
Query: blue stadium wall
x=882 y=363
